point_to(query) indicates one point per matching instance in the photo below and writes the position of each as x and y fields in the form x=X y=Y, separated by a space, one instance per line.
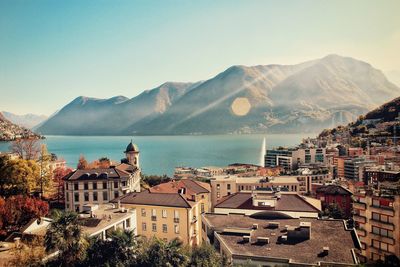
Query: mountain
x=305 y=97
x=388 y=112
x=92 y=116
x=27 y=120
x=10 y=131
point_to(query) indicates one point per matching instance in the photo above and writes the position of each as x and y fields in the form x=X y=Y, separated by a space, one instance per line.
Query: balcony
x=359 y=206
x=359 y=218
x=154 y=218
x=380 y=224
x=176 y=220
x=361 y=232
x=382 y=210
x=385 y=239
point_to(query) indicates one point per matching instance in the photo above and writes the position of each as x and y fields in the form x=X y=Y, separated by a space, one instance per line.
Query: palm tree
x=118 y=250
x=65 y=237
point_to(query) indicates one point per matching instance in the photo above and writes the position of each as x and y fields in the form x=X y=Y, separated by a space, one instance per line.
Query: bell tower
x=132 y=154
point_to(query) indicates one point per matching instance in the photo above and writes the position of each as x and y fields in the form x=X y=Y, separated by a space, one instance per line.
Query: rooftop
x=118 y=172
x=286 y=202
x=324 y=233
x=333 y=190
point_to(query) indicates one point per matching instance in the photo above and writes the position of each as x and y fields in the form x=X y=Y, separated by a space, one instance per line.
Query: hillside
x=306 y=97
x=10 y=131
x=27 y=120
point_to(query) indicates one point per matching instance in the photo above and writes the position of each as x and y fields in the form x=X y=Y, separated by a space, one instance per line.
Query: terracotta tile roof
x=333 y=190
x=287 y=202
x=155 y=199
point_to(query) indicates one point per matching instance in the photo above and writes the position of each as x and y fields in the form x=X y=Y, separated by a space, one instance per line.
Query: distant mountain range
x=27 y=120
x=10 y=131
x=306 y=97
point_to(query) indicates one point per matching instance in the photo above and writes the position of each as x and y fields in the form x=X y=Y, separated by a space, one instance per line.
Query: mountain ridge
x=303 y=97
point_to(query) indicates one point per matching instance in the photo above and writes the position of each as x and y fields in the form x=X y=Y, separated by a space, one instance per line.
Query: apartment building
x=225 y=185
x=354 y=169
x=335 y=194
x=279 y=240
x=170 y=210
x=290 y=158
x=100 y=185
x=377 y=220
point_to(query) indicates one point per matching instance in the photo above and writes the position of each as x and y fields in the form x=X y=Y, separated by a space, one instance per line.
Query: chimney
x=255 y=226
x=119 y=204
x=247 y=239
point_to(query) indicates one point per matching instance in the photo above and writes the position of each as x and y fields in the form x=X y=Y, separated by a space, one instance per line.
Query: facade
x=292 y=157
x=99 y=186
x=338 y=163
x=335 y=194
x=260 y=202
x=354 y=169
x=377 y=220
x=225 y=185
x=279 y=240
x=376 y=176
x=170 y=210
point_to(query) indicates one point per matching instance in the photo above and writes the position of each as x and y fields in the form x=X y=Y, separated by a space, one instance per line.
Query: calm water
x=160 y=154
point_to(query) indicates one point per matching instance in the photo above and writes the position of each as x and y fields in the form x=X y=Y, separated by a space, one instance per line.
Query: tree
x=26 y=148
x=82 y=163
x=120 y=249
x=158 y=253
x=45 y=180
x=17 y=211
x=152 y=180
x=205 y=256
x=65 y=235
x=18 y=176
x=29 y=254
x=334 y=211
x=58 y=180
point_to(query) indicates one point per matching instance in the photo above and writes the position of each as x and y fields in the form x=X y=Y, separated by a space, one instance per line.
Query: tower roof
x=131 y=147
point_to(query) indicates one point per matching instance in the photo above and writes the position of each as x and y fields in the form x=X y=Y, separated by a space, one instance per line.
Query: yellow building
x=170 y=210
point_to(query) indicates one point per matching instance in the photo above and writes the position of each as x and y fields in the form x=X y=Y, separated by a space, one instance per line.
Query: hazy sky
x=53 y=51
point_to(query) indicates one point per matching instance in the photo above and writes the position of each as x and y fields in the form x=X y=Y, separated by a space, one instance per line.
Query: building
x=377 y=220
x=279 y=240
x=100 y=185
x=335 y=194
x=170 y=210
x=290 y=158
x=264 y=201
x=225 y=185
x=374 y=176
x=338 y=163
x=354 y=169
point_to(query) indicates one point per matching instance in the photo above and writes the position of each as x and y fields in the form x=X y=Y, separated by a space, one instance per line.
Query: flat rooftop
x=324 y=233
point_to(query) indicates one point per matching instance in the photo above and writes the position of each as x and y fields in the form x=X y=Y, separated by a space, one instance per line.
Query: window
x=375 y=202
x=202 y=207
x=218 y=195
x=66 y=186
x=380 y=245
x=380 y=217
x=123 y=183
x=128 y=223
x=86 y=195
x=176 y=229
x=382 y=232
x=86 y=186
x=176 y=216
x=115 y=184
x=164 y=228
x=104 y=185
x=76 y=186
x=94 y=185
x=153 y=215
x=144 y=228
x=105 y=195
x=143 y=213
x=228 y=186
x=76 y=197
x=67 y=197
x=164 y=213
x=94 y=196
x=154 y=227
x=218 y=186
x=116 y=194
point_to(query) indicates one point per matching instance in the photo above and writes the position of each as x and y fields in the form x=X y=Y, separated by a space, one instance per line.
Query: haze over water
x=160 y=154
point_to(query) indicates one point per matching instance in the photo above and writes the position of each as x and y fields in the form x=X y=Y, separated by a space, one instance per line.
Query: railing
x=176 y=220
x=154 y=218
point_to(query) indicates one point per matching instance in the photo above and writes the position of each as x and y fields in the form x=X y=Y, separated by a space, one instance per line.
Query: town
x=338 y=202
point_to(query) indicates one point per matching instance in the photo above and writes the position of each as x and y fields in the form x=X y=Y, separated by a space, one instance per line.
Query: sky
x=52 y=51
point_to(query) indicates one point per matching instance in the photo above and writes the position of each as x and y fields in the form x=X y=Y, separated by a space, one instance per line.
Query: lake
x=160 y=154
